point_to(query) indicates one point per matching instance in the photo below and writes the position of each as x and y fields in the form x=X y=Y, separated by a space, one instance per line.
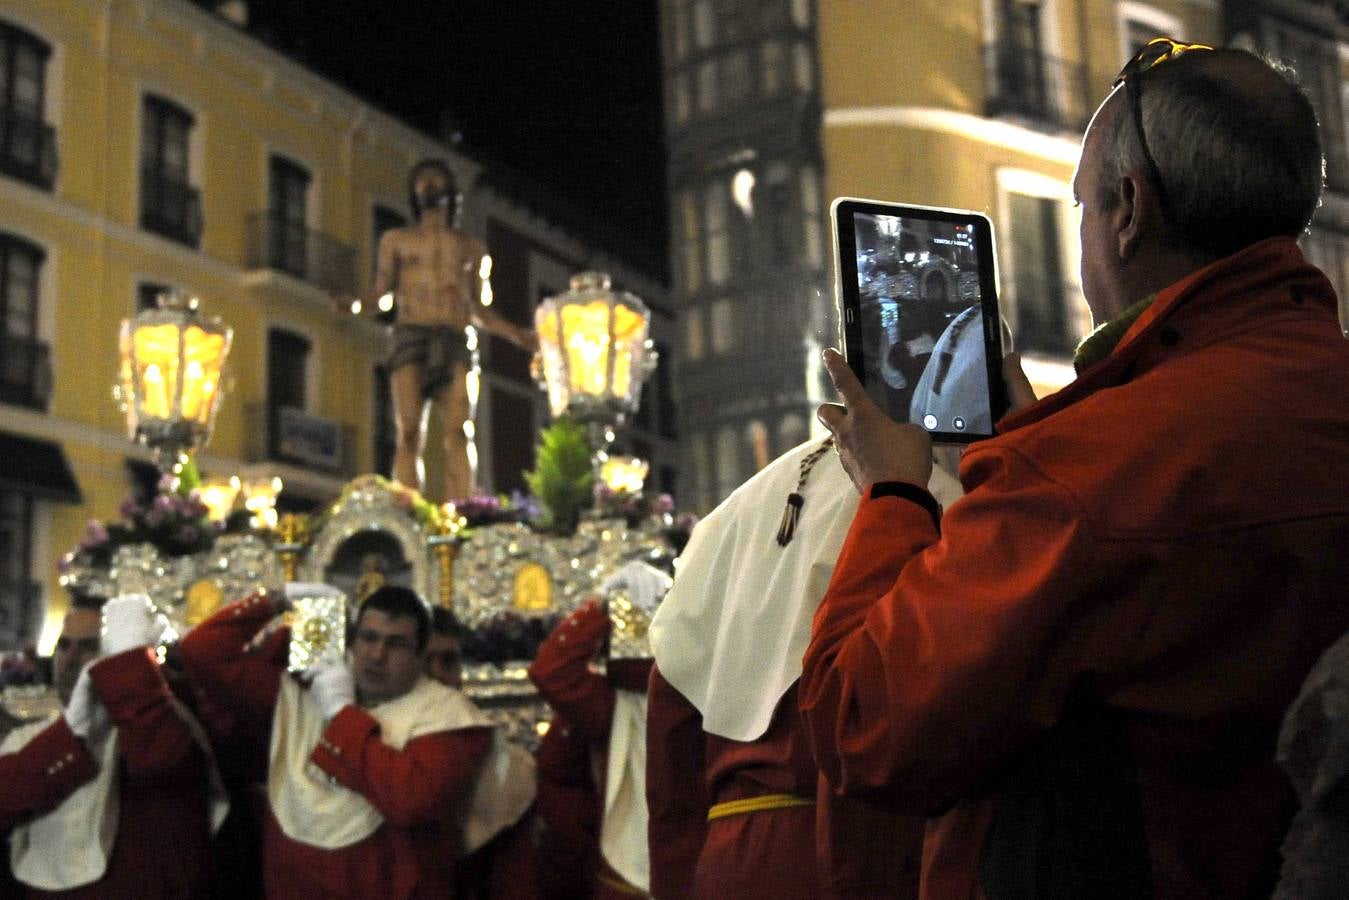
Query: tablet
x=918 y=311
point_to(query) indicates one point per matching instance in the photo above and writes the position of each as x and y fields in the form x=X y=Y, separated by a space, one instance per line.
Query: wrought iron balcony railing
x=25 y=371
x=27 y=148
x=1025 y=84
x=291 y=247
x=285 y=434
x=170 y=207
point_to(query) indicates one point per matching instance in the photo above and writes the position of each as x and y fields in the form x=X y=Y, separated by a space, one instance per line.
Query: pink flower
x=95 y=535
x=663 y=504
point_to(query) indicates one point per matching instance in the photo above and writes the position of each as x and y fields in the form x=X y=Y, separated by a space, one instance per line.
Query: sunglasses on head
x=1154 y=53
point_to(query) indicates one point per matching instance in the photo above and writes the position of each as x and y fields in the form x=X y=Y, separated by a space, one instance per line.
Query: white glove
x=645 y=584
x=128 y=622
x=332 y=687
x=84 y=714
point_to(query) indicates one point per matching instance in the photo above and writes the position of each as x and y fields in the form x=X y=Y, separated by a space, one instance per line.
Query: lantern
x=593 y=353
x=171 y=362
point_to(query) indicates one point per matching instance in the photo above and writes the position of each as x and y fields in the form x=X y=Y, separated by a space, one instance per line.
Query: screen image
x=923 y=351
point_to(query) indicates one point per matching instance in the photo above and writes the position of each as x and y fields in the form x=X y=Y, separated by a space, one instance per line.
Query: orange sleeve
x=932 y=658
x=561 y=671
x=676 y=791
x=420 y=783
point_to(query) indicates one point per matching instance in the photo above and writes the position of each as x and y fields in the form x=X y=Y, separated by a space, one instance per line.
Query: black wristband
x=912 y=493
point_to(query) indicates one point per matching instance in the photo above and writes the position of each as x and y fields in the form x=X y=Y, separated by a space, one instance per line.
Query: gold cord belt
x=756 y=804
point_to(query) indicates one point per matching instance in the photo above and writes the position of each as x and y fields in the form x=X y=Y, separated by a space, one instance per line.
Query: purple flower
x=95 y=535
x=129 y=508
x=164 y=503
x=155 y=517
x=168 y=484
x=686 y=521
x=664 y=503
x=188 y=534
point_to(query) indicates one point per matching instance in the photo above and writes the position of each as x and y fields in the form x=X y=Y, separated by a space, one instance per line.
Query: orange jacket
x=1086 y=669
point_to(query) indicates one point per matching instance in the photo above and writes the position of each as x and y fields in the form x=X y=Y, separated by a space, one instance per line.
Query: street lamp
x=594 y=355
x=171 y=361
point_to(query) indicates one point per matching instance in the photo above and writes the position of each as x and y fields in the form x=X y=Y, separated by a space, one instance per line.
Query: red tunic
x=163 y=784
x=584 y=702
x=1142 y=571
x=836 y=848
x=416 y=789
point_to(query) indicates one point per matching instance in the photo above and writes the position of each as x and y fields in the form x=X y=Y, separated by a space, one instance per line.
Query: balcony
x=170 y=207
x=284 y=246
x=25 y=372
x=1042 y=91
x=20 y=612
x=27 y=148
x=288 y=435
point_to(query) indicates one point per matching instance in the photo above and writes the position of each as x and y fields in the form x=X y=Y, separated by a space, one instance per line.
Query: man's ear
x=1135 y=213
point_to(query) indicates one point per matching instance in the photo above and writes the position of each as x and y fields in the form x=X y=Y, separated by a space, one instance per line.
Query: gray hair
x=1236 y=142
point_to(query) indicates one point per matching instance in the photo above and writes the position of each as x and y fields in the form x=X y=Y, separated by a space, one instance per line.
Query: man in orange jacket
x=1080 y=675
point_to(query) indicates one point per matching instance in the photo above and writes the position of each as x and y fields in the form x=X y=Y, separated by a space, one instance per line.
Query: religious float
x=509 y=568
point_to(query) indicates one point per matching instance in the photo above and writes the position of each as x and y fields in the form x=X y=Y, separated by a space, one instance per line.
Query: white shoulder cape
x=732 y=631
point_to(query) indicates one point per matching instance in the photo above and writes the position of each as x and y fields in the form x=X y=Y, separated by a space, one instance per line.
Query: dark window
x=513 y=434
x=27 y=143
x=24 y=371
x=147 y=294
x=384 y=219
x=287 y=365
x=20 y=597
x=665 y=398
x=288 y=216
x=383 y=422
x=169 y=204
x=1042 y=323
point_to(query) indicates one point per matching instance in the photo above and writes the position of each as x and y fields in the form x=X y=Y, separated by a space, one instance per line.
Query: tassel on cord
x=790 y=516
x=796 y=499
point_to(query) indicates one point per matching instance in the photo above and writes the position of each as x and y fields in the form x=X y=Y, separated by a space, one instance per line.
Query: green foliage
x=562 y=478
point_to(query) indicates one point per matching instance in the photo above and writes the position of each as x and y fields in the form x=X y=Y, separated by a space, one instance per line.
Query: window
x=772 y=62
x=170 y=206
x=704 y=23
x=679 y=15
x=801 y=13
x=27 y=143
x=665 y=400
x=716 y=237
x=18 y=593
x=24 y=371
x=681 y=100
x=702 y=471
x=695 y=344
x=756 y=443
x=383 y=427
x=287 y=376
x=810 y=205
x=147 y=294
x=728 y=461
x=736 y=83
x=707 y=87
x=288 y=216
x=1042 y=323
x=802 y=69
x=723 y=327
x=382 y=219
x=689 y=242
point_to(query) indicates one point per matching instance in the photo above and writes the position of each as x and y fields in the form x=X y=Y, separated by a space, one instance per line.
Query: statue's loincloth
x=435 y=349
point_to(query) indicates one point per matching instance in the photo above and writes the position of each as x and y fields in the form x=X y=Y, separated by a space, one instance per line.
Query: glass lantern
x=171 y=362
x=594 y=353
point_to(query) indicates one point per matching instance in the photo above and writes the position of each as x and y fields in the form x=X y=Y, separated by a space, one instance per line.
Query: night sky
x=568 y=92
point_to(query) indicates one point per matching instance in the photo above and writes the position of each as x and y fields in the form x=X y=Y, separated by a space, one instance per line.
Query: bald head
x=1236 y=144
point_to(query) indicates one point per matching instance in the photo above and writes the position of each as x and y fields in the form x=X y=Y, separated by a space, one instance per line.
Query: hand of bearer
x=128 y=623
x=1019 y=392
x=872 y=446
x=332 y=687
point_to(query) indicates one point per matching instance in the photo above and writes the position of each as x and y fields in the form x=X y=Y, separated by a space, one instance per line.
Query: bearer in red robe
x=90 y=797
x=736 y=803
x=377 y=777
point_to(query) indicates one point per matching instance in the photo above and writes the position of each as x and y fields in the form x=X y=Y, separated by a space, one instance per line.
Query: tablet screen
x=921 y=303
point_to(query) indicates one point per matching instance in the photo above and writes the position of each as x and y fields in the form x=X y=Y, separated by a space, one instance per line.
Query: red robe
x=416 y=789
x=837 y=848
x=584 y=702
x=163 y=785
x=1084 y=673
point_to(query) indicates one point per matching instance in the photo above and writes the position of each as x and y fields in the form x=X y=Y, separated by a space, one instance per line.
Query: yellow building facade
x=147 y=144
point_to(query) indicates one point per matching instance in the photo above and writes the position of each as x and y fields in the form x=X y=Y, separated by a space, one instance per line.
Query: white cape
x=623 y=830
x=732 y=631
